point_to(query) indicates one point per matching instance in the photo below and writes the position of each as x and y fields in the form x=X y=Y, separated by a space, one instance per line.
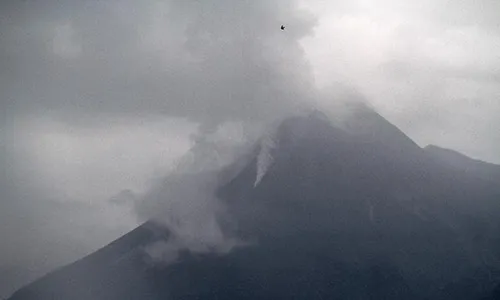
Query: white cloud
x=66 y=43
x=425 y=66
x=93 y=165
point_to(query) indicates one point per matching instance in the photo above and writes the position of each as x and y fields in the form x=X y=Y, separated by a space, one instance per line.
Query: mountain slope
x=373 y=202
x=462 y=163
x=495 y=295
x=352 y=212
x=113 y=272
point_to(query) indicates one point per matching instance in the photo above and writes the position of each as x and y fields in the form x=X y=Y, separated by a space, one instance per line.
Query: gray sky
x=103 y=96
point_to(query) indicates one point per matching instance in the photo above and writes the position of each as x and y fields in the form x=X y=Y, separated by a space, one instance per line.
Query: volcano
x=350 y=211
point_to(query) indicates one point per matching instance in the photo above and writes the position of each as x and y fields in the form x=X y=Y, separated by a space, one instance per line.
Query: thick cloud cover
x=100 y=97
x=207 y=61
x=431 y=67
x=103 y=96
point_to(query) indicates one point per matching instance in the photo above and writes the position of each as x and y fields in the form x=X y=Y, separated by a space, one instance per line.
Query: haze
x=103 y=97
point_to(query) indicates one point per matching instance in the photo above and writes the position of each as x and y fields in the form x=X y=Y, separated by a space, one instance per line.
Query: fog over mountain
x=352 y=212
x=118 y=112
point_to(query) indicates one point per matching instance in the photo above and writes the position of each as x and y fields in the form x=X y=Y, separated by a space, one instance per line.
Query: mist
x=110 y=110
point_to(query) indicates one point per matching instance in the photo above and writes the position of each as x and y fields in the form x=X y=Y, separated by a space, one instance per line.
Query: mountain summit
x=357 y=211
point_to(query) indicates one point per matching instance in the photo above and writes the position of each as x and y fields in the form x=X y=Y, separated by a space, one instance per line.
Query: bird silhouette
x=282 y=27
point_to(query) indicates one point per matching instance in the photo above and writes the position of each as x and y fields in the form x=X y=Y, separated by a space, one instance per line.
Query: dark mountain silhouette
x=462 y=163
x=495 y=295
x=358 y=212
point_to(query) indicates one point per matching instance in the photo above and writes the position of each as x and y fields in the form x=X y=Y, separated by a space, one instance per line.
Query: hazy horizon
x=103 y=97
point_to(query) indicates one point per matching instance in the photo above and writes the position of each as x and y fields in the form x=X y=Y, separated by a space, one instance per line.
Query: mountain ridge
x=354 y=212
x=465 y=164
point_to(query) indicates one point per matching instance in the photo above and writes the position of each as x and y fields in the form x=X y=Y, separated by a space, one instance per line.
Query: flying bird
x=282 y=27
